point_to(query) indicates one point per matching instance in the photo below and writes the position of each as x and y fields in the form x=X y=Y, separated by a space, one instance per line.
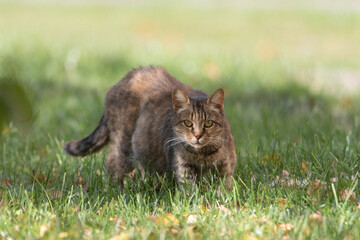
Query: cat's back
x=144 y=83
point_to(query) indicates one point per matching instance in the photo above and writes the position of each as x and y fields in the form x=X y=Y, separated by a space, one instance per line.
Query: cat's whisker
x=173 y=142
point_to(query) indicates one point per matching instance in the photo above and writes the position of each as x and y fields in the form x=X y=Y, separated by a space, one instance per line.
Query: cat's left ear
x=179 y=99
x=217 y=99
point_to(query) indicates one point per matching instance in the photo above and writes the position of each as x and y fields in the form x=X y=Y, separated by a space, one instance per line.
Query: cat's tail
x=92 y=143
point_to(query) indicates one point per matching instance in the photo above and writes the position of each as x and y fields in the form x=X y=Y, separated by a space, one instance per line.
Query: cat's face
x=198 y=121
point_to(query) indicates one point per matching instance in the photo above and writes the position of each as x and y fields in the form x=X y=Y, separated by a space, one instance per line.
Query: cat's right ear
x=179 y=99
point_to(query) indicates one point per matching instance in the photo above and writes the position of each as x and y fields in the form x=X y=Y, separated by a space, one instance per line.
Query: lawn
x=291 y=79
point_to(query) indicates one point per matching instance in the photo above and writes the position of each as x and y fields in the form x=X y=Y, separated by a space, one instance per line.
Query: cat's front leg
x=184 y=173
x=226 y=172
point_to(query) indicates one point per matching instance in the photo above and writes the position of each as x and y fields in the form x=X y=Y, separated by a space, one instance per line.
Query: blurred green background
x=66 y=55
x=287 y=67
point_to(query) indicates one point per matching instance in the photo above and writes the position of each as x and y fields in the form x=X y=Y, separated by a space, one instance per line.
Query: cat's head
x=198 y=120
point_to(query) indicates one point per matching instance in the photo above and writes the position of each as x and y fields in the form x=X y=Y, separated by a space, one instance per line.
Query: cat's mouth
x=197 y=144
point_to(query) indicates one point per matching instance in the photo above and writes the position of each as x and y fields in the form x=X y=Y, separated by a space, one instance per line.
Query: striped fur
x=144 y=123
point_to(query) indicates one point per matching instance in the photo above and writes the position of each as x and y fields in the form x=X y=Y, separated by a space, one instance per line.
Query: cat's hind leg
x=119 y=162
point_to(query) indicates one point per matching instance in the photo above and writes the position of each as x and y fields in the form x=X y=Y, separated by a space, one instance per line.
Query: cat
x=159 y=124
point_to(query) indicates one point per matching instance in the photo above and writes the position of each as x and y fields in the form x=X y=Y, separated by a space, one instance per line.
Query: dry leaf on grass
x=249 y=237
x=63 y=235
x=271 y=159
x=122 y=236
x=80 y=182
x=7 y=182
x=282 y=202
x=344 y=194
x=223 y=209
x=316 y=218
x=87 y=233
x=316 y=188
x=263 y=219
x=285 y=173
x=286 y=227
x=167 y=220
x=204 y=209
x=37 y=177
x=334 y=179
x=304 y=167
x=285 y=237
x=54 y=194
x=43 y=229
x=191 y=218
x=119 y=221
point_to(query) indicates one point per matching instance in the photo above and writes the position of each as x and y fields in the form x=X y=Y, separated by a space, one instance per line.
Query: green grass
x=297 y=132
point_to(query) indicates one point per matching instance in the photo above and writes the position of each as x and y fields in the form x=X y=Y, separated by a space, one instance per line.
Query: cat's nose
x=198 y=137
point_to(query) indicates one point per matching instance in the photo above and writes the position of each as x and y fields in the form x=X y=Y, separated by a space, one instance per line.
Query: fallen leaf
x=167 y=220
x=73 y=234
x=253 y=177
x=122 y=236
x=204 y=209
x=173 y=231
x=55 y=173
x=43 y=229
x=76 y=208
x=37 y=177
x=191 y=218
x=1 y=201
x=272 y=159
x=190 y=231
x=249 y=237
x=307 y=231
x=99 y=211
x=285 y=237
x=7 y=182
x=116 y=219
x=316 y=218
x=282 y=201
x=79 y=180
x=263 y=219
x=316 y=187
x=344 y=194
x=223 y=209
x=87 y=233
x=333 y=165
x=63 y=235
x=304 y=167
x=285 y=173
x=54 y=194
x=286 y=227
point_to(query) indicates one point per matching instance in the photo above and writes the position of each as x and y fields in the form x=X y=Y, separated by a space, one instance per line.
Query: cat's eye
x=187 y=123
x=208 y=123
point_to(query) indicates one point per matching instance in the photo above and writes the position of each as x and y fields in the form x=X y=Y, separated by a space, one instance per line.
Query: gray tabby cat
x=166 y=126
